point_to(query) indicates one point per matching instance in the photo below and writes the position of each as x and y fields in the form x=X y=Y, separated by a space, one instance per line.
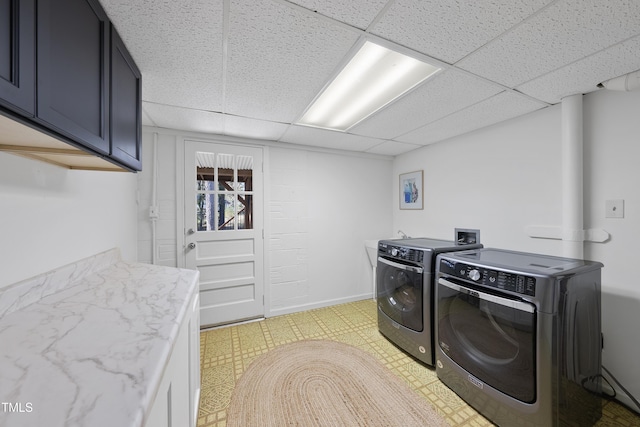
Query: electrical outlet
x=153 y=212
x=614 y=208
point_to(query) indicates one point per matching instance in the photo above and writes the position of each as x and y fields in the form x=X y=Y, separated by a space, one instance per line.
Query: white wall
x=166 y=252
x=498 y=179
x=50 y=216
x=505 y=177
x=320 y=207
x=612 y=152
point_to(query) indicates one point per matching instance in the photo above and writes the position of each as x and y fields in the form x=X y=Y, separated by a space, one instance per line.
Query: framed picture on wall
x=411 y=190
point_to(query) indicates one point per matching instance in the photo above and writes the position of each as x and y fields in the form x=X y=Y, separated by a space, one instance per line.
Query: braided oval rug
x=324 y=383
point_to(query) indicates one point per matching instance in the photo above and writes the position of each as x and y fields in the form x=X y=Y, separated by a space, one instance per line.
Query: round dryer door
x=490 y=336
x=400 y=293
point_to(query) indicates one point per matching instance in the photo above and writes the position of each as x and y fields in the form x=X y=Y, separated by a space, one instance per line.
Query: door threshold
x=224 y=325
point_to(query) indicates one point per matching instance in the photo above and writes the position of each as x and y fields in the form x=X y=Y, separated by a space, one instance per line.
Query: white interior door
x=224 y=229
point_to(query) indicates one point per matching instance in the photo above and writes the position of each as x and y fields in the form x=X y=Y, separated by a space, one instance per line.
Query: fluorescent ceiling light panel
x=373 y=78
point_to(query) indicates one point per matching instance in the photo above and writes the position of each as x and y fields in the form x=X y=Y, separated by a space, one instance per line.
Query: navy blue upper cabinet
x=17 y=56
x=65 y=71
x=125 y=102
x=73 y=65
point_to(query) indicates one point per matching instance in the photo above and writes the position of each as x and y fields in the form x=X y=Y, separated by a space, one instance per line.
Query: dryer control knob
x=394 y=251
x=474 y=275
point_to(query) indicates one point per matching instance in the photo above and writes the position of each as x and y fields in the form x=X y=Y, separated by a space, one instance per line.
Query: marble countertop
x=87 y=344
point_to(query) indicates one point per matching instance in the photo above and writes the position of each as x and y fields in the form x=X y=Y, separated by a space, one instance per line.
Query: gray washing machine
x=519 y=336
x=404 y=282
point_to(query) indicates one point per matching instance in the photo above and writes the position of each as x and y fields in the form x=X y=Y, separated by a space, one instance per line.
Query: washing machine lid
x=525 y=262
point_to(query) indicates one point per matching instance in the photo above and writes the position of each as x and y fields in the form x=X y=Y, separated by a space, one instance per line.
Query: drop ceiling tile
x=304 y=135
x=252 y=128
x=173 y=88
x=279 y=58
x=177 y=47
x=503 y=106
x=565 y=32
x=358 y=13
x=584 y=75
x=186 y=119
x=445 y=93
x=449 y=30
x=146 y=119
x=393 y=148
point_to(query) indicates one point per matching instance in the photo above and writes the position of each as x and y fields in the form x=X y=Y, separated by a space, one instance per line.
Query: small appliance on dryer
x=518 y=336
x=405 y=274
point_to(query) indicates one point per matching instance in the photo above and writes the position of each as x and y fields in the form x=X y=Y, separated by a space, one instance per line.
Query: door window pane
x=245 y=212
x=205 y=171
x=227 y=212
x=224 y=192
x=226 y=172
x=245 y=173
x=205 y=213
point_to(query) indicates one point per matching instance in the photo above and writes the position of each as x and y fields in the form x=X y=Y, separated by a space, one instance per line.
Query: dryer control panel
x=400 y=252
x=498 y=279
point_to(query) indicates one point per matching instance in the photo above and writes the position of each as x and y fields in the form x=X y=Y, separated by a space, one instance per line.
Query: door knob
x=191 y=245
x=190 y=231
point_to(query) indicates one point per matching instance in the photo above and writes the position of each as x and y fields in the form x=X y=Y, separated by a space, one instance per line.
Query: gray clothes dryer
x=519 y=336
x=404 y=282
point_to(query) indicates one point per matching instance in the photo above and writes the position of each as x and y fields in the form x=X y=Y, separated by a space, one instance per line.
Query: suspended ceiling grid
x=250 y=68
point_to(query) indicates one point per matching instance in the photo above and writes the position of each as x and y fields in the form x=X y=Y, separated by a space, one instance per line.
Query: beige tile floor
x=226 y=352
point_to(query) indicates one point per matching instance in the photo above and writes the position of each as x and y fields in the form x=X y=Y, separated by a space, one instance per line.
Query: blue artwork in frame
x=411 y=190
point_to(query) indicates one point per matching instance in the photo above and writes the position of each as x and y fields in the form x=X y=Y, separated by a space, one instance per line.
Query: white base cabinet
x=129 y=356
x=176 y=402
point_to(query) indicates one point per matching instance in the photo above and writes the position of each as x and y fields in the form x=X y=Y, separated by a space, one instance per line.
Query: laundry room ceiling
x=250 y=68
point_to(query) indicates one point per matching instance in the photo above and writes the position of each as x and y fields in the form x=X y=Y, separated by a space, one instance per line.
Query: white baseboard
x=319 y=304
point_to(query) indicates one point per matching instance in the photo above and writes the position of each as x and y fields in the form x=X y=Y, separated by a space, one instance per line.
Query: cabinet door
x=73 y=62
x=17 y=50
x=126 y=114
x=171 y=404
x=194 y=359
